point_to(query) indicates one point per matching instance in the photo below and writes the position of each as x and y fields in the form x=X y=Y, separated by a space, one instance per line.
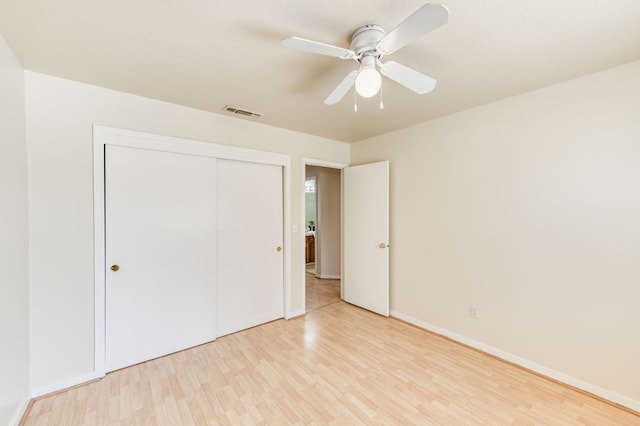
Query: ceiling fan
x=369 y=44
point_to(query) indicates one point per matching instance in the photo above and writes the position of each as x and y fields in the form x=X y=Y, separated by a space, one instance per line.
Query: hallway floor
x=320 y=293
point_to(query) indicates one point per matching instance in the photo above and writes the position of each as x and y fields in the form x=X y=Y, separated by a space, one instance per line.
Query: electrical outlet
x=473 y=312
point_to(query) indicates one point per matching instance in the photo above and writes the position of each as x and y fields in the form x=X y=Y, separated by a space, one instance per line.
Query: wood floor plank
x=320 y=292
x=337 y=365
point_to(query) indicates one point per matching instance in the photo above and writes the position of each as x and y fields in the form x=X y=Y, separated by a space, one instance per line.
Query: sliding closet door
x=250 y=245
x=160 y=253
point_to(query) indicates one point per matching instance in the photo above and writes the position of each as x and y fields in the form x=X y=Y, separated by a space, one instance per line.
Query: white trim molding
x=328 y=277
x=522 y=362
x=298 y=313
x=103 y=136
x=64 y=384
x=21 y=410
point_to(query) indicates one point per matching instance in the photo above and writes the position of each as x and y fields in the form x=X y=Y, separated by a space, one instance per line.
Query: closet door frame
x=103 y=136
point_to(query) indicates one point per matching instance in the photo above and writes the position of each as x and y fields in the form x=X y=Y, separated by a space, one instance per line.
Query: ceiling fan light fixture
x=368 y=81
x=369 y=43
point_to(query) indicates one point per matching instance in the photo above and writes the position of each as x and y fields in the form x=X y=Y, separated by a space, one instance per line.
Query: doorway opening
x=322 y=234
x=310 y=215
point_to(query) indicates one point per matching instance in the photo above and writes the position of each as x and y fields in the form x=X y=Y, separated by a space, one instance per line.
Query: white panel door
x=366 y=236
x=160 y=222
x=250 y=250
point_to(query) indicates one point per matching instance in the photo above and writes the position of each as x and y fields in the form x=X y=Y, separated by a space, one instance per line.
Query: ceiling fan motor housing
x=365 y=40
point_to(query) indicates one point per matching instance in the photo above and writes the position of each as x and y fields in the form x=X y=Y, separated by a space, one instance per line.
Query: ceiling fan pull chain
x=355 y=100
x=381 y=103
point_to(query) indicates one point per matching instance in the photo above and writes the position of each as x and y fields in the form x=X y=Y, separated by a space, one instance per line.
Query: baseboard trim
x=616 y=399
x=328 y=277
x=296 y=314
x=20 y=411
x=64 y=384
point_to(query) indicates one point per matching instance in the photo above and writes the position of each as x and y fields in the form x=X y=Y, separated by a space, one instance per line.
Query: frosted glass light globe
x=368 y=82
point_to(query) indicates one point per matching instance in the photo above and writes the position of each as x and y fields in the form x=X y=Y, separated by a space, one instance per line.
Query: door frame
x=102 y=136
x=330 y=165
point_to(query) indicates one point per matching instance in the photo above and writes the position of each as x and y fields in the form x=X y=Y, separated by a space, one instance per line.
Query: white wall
x=60 y=115
x=328 y=241
x=14 y=284
x=529 y=209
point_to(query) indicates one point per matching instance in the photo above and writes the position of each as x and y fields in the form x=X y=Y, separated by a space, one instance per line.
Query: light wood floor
x=320 y=293
x=337 y=365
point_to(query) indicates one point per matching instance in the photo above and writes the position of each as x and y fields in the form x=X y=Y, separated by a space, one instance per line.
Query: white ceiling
x=209 y=53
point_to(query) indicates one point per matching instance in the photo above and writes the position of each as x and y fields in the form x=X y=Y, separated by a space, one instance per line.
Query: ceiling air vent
x=241 y=111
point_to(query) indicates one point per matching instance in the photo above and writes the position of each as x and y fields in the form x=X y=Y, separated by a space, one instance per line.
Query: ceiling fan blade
x=342 y=89
x=424 y=20
x=298 y=43
x=411 y=79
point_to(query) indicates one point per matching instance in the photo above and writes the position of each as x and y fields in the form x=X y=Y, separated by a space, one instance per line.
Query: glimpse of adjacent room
x=322 y=254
